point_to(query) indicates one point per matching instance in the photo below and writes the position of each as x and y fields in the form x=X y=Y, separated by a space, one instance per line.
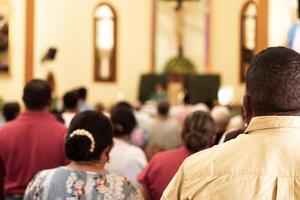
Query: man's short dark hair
x=273 y=82
x=11 y=111
x=71 y=99
x=37 y=94
x=163 y=108
x=82 y=93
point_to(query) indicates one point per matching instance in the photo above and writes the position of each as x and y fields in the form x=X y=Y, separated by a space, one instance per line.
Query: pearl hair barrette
x=82 y=132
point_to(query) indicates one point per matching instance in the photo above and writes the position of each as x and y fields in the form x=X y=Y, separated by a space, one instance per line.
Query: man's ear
x=248 y=112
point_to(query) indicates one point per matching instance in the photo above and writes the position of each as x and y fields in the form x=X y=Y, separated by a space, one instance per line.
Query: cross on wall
x=180 y=23
x=180 y=3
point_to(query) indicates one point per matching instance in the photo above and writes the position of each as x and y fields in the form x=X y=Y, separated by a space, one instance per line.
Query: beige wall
x=225 y=43
x=72 y=34
x=11 y=85
x=67 y=25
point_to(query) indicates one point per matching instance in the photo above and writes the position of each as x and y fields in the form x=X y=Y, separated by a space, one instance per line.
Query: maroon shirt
x=161 y=169
x=32 y=142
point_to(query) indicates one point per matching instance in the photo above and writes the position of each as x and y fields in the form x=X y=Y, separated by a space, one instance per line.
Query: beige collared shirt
x=264 y=163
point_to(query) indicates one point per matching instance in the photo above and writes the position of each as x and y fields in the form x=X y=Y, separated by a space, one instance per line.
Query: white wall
x=11 y=85
x=67 y=25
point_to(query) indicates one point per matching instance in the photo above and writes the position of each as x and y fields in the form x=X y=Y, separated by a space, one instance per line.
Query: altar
x=200 y=88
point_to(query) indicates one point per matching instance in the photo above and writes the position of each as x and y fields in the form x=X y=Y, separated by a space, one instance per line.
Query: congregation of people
x=157 y=150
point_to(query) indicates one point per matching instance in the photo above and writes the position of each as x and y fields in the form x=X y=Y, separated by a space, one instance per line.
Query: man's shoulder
x=10 y=127
x=210 y=161
x=19 y=125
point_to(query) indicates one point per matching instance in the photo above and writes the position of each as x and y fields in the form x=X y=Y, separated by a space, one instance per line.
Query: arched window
x=248 y=36
x=105 y=31
x=5 y=8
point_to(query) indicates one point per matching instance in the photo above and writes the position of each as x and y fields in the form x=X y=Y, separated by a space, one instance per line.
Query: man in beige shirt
x=264 y=162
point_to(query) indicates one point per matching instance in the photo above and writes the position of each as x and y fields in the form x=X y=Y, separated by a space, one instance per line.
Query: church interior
x=140 y=39
x=115 y=99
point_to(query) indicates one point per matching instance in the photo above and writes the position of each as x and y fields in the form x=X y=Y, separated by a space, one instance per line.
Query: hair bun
x=196 y=140
x=78 y=147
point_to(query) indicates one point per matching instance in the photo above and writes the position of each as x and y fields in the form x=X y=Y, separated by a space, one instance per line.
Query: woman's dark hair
x=124 y=104
x=71 y=99
x=198 y=130
x=123 y=121
x=78 y=147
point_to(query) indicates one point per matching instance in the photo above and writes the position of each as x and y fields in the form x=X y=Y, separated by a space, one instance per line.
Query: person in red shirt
x=32 y=142
x=197 y=134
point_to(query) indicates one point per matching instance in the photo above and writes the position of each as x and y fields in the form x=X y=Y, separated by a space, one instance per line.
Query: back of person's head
x=37 y=94
x=198 y=131
x=221 y=116
x=201 y=107
x=123 y=121
x=11 y=111
x=273 y=83
x=89 y=134
x=70 y=100
x=163 y=108
x=124 y=104
x=82 y=93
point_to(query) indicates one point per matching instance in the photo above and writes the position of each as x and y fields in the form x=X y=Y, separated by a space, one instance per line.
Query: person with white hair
x=201 y=107
x=221 y=116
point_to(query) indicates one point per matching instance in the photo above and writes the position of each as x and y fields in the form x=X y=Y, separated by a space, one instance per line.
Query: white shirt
x=67 y=116
x=127 y=160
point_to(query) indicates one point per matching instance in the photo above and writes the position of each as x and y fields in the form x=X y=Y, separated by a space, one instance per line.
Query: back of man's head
x=37 y=94
x=163 y=108
x=82 y=93
x=70 y=100
x=273 y=82
x=221 y=116
x=11 y=110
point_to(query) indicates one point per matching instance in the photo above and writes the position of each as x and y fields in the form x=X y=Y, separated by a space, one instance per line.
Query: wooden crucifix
x=179 y=11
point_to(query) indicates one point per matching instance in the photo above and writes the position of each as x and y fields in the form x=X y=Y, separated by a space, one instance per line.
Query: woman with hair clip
x=197 y=134
x=88 y=143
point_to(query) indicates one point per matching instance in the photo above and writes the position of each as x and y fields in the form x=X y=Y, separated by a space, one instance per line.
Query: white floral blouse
x=63 y=183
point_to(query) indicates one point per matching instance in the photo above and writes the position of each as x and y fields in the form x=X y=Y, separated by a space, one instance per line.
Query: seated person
x=125 y=159
x=221 y=116
x=159 y=93
x=264 y=162
x=163 y=131
x=88 y=144
x=196 y=135
x=82 y=95
x=11 y=111
x=71 y=106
